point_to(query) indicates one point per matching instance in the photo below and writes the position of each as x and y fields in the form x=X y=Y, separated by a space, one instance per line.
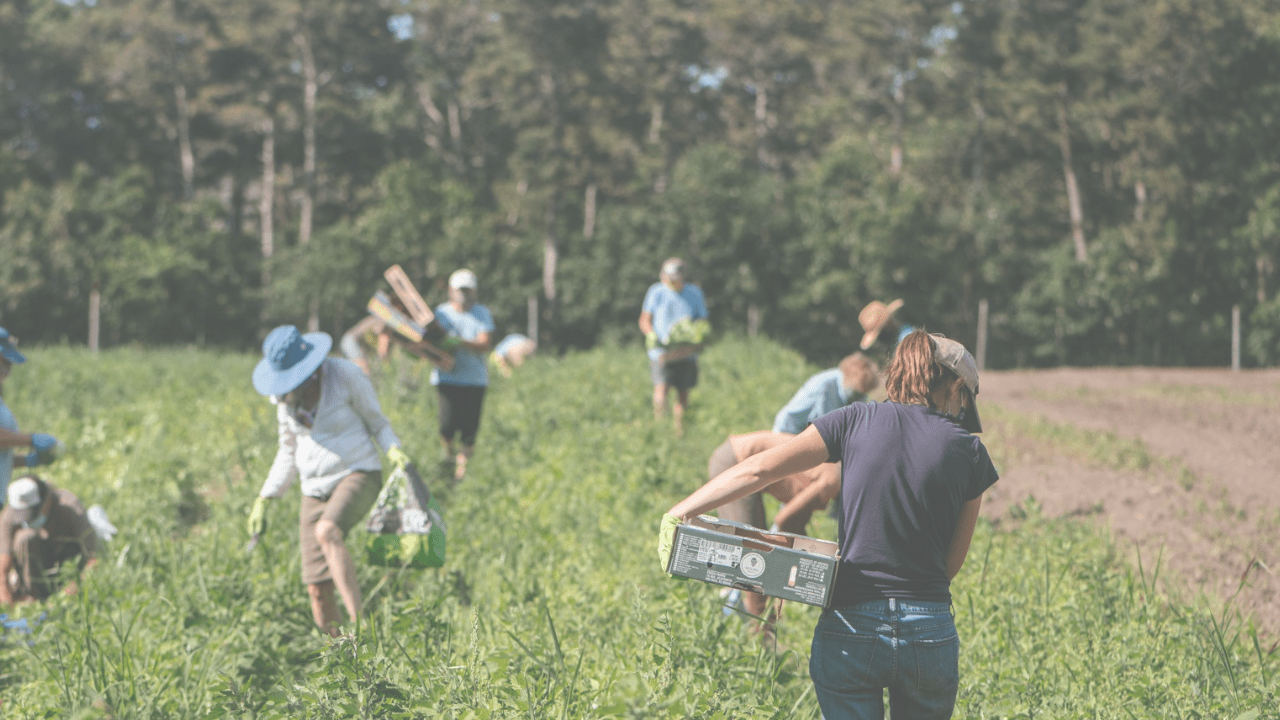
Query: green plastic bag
x=405 y=527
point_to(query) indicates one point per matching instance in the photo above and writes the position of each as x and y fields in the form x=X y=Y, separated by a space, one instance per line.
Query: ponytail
x=913 y=374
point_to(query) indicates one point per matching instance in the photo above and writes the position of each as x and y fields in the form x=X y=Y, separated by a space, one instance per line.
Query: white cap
x=462 y=279
x=673 y=267
x=24 y=494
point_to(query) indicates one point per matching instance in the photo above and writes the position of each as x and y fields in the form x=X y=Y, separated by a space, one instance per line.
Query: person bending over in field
x=460 y=391
x=367 y=338
x=801 y=493
x=512 y=352
x=826 y=391
x=668 y=304
x=912 y=476
x=330 y=426
x=41 y=527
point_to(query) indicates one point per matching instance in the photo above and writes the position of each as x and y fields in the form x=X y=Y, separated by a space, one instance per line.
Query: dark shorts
x=459 y=411
x=679 y=374
x=348 y=504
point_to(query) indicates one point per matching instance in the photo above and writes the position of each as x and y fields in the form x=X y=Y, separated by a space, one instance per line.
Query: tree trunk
x=455 y=133
x=550 y=258
x=310 y=88
x=266 y=205
x=423 y=90
x=896 y=152
x=186 y=156
x=975 y=174
x=589 y=212
x=655 y=123
x=762 y=127
x=1068 y=171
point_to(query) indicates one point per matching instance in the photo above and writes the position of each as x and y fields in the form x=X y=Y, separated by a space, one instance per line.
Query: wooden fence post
x=1235 y=338
x=981 y=350
x=533 y=318
x=95 y=312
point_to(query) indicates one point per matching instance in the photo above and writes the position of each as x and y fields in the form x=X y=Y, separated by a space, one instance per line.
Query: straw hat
x=874 y=317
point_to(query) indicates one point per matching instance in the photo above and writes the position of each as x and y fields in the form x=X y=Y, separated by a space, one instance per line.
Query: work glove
x=651 y=341
x=399 y=460
x=33 y=459
x=451 y=343
x=258 y=517
x=47 y=447
x=666 y=536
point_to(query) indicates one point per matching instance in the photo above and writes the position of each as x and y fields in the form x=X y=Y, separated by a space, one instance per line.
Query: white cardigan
x=348 y=419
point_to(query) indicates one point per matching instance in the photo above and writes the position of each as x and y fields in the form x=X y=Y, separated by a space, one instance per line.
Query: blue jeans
x=909 y=647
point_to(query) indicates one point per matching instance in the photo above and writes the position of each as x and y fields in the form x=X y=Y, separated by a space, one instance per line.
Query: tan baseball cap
x=951 y=354
x=873 y=318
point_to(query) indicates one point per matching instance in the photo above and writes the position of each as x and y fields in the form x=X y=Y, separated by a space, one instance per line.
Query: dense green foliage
x=1102 y=172
x=551 y=604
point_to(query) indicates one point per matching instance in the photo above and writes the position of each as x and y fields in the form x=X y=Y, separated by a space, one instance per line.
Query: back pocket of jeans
x=937 y=662
x=841 y=661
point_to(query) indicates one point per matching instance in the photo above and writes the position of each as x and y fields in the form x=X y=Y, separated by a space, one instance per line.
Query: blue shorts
x=909 y=647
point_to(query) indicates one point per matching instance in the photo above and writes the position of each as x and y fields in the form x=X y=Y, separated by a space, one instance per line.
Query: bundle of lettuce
x=684 y=332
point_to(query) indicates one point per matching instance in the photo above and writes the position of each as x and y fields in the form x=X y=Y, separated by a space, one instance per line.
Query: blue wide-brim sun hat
x=8 y=349
x=289 y=358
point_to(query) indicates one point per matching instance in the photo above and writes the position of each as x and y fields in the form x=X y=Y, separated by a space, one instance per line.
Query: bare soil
x=1208 y=507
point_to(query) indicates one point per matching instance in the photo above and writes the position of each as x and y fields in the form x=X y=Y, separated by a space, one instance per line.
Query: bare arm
x=9 y=438
x=646 y=322
x=6 y=563
x=480 y=345
x=755 y=473
x=804 y=503
x=964 y=534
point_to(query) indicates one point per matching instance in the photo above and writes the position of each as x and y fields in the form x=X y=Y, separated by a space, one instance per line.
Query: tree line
x=1104 y=173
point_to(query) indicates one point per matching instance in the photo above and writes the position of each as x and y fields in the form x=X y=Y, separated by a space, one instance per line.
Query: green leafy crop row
x=551 y=604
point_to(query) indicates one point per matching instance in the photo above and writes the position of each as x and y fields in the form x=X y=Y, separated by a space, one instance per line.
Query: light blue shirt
x=509 y=342
x=905 y=331
x=468 y=368
x=669 y=307
x=819 y=395
x=7 y=422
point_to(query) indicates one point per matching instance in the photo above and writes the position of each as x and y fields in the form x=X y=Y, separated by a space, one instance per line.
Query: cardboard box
x=778 y=564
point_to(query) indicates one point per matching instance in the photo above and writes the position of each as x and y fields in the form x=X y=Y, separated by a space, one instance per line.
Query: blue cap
x=289 y=358
x=8 y=349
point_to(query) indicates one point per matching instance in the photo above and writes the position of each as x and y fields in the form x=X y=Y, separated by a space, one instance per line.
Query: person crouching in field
x=826 y=391
x=912 y=476
x=512 y=352
x=801 y=493
x=330 y=426
x=41 y=527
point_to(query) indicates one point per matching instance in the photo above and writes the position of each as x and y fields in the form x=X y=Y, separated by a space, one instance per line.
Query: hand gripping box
x=778 y=564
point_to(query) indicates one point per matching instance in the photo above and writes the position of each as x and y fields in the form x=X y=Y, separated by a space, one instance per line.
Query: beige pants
x=349 y=503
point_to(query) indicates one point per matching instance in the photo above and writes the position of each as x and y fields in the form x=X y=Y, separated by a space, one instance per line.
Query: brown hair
x=860 y=373
x=914 y=375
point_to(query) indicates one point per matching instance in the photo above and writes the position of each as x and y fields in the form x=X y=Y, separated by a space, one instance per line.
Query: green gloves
x=258 y=517
x=651 y=341
x=666 y=535
x=399 y=460
x=451 y=343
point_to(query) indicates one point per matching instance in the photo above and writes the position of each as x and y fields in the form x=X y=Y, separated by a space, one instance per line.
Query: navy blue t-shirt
x=907 y=471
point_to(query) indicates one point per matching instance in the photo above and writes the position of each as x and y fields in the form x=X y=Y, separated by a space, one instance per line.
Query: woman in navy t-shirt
x=912 y=480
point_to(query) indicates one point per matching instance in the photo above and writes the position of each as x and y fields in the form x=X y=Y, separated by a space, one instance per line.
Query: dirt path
x=1210 y=503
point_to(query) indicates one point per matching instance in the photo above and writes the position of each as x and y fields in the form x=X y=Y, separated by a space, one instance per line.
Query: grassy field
x=552 y=604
